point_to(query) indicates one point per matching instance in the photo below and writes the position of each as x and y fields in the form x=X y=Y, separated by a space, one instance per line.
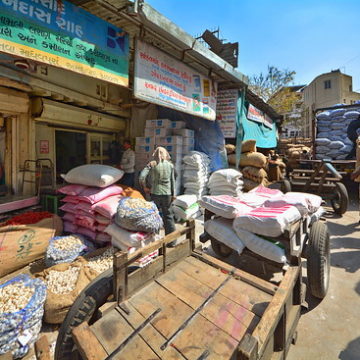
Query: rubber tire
x=285 y=186
x=342 y=207
x=318 y=260
x=83 y=309
x=221 y=249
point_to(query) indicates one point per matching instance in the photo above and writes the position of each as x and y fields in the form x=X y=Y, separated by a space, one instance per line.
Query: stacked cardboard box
x=171 y=135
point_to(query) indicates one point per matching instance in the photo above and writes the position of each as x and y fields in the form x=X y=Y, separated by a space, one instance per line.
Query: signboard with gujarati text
x=58 y=33
x=259 y=116
x=226 y=111
x=163 y=80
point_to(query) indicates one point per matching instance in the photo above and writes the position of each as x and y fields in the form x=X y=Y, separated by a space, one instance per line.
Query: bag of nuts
x=64 y=283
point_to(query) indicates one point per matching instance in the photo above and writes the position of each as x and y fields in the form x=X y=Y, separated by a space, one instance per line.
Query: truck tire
x=341 y=200
x=318 y=260
x=83 y=309
x=220 y=249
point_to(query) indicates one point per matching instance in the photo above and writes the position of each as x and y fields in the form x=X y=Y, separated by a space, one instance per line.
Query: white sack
x=262 y=247
x=132 y=239
x=185 y=201
x=268 y=221
x=93 y=175
x=222 y=230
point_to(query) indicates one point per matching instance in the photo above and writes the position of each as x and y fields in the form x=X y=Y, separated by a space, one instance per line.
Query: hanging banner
x=259 y=116
x=226 y=111
x=58 y=33
x=163 y=80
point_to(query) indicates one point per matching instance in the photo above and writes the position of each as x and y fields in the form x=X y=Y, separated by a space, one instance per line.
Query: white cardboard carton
x=184 y=132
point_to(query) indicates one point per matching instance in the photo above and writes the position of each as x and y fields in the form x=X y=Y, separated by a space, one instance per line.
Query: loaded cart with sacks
x=279 y=229
x=184 y=305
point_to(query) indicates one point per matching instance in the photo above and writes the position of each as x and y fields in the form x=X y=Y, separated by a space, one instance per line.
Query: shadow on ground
x=352 y=351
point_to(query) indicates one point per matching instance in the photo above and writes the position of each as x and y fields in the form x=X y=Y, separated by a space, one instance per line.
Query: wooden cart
x=184 y=305
x=324 y=180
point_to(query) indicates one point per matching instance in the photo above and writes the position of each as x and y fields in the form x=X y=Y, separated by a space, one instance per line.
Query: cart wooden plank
x=234 y=319
x=199 y=336
x=249 y=297
x=112 y=330
x=150 y=335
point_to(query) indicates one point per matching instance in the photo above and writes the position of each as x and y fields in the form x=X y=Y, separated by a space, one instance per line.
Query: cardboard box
x=158 y=123
x=150 y=141
x=159 y=132
x=142 y=157
x=184 y=132
x=173 y=149
x=144 y=149
x=188 y=141
x=169 y=140
x=178 y=125
x=187 y=148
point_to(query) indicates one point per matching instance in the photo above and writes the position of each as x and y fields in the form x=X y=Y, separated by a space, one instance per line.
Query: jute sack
x=253 y=159
x=57 y=305
x=232 y=159
x=249 y=184
x=230 y=148
x=22 y=244
x=248 y=146
x=255 y=174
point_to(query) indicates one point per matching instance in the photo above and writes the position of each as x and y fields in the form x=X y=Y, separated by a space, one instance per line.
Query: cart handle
x=330 y=167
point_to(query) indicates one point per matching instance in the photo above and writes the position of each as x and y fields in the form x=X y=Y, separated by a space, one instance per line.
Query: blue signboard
x=69 y=36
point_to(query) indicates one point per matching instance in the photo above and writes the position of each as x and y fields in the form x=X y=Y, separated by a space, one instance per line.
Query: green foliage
x=267 y=84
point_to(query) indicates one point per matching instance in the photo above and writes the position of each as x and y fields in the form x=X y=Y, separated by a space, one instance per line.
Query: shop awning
x=264 y=136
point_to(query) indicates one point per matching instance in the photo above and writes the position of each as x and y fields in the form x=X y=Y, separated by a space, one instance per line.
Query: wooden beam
x=87 y=343
x=14 y=84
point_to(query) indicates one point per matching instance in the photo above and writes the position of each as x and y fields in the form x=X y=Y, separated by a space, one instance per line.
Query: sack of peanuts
x=255 y=174
x=64 y=283
x=255 y=159
x=99 y=260
x=65 y=249
x=248 y=146
x=138 y=215
x=21 y=310
x=22 y=244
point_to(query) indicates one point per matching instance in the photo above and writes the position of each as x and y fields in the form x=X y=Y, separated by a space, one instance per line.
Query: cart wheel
x=83 y=309
x=285 y=186
x=318 y=260
x=220 y=249
x=341 y=200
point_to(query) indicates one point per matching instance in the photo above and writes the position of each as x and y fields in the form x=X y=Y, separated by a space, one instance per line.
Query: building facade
x=327 y=90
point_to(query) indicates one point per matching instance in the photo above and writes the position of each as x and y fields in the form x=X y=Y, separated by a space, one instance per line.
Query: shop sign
x=226 y=111
x=58 y=33
x=259 y=116
x=163 y=80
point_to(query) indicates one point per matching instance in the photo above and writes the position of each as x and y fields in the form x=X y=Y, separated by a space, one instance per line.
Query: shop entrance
x=70 y=150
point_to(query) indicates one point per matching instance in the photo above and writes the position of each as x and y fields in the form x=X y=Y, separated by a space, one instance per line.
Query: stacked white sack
x=332 y=141
x=196 y=173
x=226 y=182
x=185 y=207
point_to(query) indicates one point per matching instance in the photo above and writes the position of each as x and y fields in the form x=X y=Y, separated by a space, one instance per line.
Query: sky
x=309 y=37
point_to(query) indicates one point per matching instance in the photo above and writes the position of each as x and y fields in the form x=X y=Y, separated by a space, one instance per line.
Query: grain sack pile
x=294 y=152
x=252 y=165
x=136 y=224
x=196 y=168
x=21 y=310
x=185 y=207
x=332 y=140
x=225 y=182
x=255 y=219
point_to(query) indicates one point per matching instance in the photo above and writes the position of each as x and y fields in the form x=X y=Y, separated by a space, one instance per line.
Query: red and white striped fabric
x=268 y=221
x=224 y=205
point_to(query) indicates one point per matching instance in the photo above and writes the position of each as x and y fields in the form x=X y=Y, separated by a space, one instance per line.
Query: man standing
x=127 y=164
x=158 y=179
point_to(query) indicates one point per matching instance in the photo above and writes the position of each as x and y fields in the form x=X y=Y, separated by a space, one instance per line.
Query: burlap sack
x=249 y=184
x=230 y=149
x=248 y=146
x=255 y=174
x=253 y=159
x=57 y=305
x=22 y=244
x=232 y=159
